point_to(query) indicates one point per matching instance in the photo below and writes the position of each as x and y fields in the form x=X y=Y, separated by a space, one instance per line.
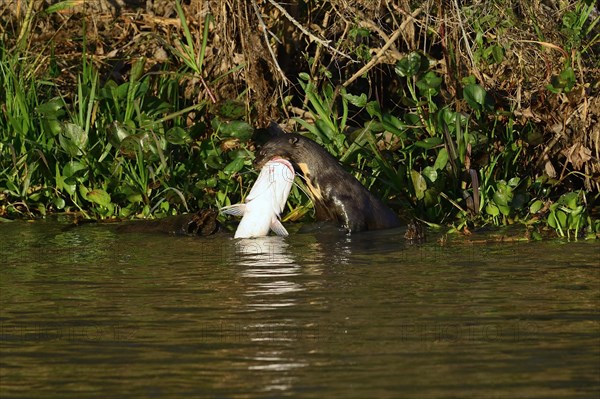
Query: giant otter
x=337 y=195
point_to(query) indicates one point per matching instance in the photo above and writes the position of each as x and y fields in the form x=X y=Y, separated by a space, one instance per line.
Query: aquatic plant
x=433 y=109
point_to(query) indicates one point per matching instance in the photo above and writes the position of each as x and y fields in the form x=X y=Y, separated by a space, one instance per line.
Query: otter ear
x=293 y=140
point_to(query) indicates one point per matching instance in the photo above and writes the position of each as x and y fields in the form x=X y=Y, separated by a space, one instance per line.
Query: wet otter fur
x=337 y=195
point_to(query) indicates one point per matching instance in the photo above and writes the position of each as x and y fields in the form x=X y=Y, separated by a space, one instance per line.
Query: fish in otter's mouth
x=262 y=207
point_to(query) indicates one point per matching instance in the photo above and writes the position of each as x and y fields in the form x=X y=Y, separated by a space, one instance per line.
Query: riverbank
x=460 y=116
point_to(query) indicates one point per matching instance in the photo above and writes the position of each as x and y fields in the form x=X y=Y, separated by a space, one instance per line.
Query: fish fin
x=278 y=228
x=235 y=210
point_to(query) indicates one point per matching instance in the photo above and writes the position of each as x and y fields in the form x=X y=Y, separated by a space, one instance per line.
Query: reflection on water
x=89 y=312
x=268 y=270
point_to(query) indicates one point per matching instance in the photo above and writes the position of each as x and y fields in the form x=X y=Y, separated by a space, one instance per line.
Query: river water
x=88 y=312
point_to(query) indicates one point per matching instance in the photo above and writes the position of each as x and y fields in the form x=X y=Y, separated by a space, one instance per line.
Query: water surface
x=88 y=312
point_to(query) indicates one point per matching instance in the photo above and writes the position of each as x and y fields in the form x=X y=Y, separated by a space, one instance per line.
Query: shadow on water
x=91 y=312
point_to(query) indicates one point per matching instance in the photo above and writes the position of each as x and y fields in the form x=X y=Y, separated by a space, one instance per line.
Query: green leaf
x=52 y=125
x=536 y=206
x=419 y=184
x=428 y=85
x=99 y=196
x=234 y=166
x=394 y=125
x=374 y=109
x=137 y=70
x=177 y=135
x=430 y=173
x=357 y=101
x=411 y=65
x=442 y=159
x=118 y=132
x=61 y=6
x=569 y=199
x=236 y=129
x=563 y=82
x=501 y=198
x=561 y=218
x=59 y=202
x=492 y=209
x=514 y=182
x=73 y=139
x=477 y=97
x=214 y=162
x=51 y=109
x=429 y=142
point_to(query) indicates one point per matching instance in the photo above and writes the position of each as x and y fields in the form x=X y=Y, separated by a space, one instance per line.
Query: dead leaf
x=577 y=155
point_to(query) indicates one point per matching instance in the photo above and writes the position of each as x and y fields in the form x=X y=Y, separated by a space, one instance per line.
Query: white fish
x=260 y=212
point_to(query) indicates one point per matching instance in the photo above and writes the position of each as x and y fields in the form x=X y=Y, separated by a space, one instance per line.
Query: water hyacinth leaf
x=59 y=202
x=304 y=76
x=563 y=82
x=73 y=139
x=492 y=209
x=374 y=109
x=357 y=101
x=501 y=197
x=429 y=84
x=177 y=135
x=575 y=218
x=494 y=54
x=514 y=182
x=432 y=197
x=119 y=132
x=135 y=198
x=133 y=195
x=394 y=125
x=99 y=196
x=569 y=199
x=210 y=183
x=51 y=109
x=60 y=183
x=73 y=170
x=477 y=97
x=214 y=161
x=52 y=125
x=238 y=129
x=419 y=184
x=536 y=206
x=430 y=173
x=561 y=218
x=441 y=160
x=505 y=210
x=234 y=166
x=411 y=65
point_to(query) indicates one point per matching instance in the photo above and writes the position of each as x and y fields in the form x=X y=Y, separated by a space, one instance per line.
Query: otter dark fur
x=337 y=195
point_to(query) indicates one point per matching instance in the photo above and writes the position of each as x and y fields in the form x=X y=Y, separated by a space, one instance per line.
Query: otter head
x=284 y=146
